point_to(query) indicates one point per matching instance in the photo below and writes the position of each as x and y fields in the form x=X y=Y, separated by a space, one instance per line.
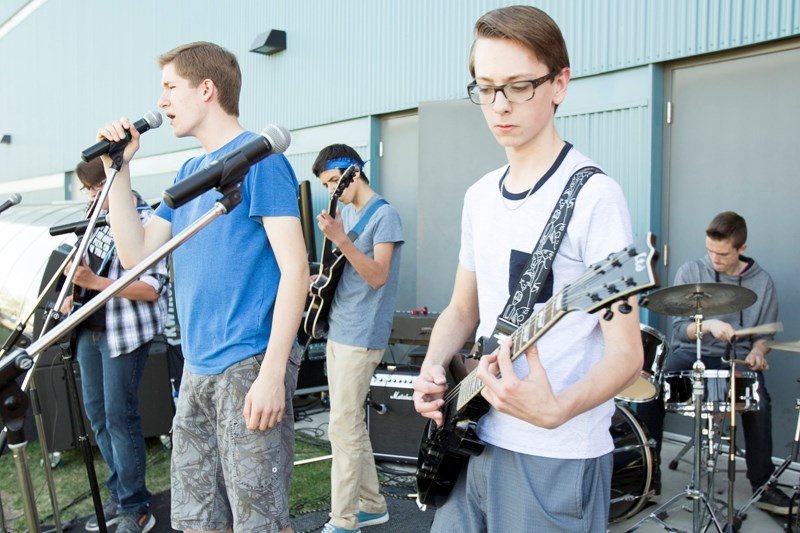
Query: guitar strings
x=587 y=275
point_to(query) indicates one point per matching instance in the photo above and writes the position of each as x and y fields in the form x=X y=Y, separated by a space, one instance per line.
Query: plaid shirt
x=131 y=323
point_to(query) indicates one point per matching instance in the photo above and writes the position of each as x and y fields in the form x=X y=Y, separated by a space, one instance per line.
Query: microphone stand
x=24 y=361
x=734 y=521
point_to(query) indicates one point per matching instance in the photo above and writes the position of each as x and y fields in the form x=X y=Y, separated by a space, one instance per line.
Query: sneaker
x=110 y=512
x=372 y=519
x=129 y=523
x=330 y=528
x=774 y=501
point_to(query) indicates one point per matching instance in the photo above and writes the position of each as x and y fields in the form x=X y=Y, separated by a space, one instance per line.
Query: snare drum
x=716 y=391
x=633 y=466
x=646 y=386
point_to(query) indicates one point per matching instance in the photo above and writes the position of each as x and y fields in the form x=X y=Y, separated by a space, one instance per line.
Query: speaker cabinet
x=395 y=428
x=313 y=375
x=155 y=399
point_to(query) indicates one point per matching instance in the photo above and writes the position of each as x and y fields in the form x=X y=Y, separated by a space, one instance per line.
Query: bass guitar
x=331 y=264
x=445 y=450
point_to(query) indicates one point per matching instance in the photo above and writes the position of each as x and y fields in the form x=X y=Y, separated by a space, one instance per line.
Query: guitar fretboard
x=521 y=339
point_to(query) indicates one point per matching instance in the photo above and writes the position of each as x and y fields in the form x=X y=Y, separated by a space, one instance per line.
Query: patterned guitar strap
x=520 y=303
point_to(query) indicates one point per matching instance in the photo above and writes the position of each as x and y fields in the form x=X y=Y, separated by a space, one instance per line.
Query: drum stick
x=743 y=362
x=763 y=329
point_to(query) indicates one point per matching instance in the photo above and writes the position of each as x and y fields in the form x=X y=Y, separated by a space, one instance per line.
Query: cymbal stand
x=778 y=471
x=700 y=500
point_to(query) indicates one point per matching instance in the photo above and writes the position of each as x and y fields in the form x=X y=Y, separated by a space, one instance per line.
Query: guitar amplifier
x=313 y=376
x=395 y=428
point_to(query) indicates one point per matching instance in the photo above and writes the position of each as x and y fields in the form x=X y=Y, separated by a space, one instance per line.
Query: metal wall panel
x=71 y=66
x=615 y=141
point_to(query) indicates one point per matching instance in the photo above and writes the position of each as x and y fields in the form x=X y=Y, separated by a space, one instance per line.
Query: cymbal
x=709 y=299
x=787 y=346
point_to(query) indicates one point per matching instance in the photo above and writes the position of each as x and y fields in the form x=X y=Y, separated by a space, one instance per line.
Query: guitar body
x=444 y=451
x=322 y=292
x=323 y=288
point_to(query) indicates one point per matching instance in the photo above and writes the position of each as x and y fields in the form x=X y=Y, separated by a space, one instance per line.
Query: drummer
x=726 y=238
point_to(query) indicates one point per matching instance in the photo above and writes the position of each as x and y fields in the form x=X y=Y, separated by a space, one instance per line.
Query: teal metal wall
x=71 y=65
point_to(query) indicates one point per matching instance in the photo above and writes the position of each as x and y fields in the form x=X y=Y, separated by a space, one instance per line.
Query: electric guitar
x=315 y=323
x=445 y=450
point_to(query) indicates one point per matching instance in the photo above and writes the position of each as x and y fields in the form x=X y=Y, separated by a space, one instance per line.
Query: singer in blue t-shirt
x=240 y=287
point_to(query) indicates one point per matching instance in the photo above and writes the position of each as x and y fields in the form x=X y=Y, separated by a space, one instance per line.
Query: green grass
x=310 y=489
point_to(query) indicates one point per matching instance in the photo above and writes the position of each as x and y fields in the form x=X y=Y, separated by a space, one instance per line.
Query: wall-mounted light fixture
x=269 y=43
x=5 y=139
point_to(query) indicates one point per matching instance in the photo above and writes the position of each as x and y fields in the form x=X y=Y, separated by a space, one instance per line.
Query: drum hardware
x=695 y=300
x=741 y=513
x=673 y=464
x=647 y=385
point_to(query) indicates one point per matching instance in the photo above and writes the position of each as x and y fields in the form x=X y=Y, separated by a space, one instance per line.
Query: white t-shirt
x=492 y=228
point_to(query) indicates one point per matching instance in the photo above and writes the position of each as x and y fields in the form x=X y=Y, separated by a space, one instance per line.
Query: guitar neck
x=327 y=257
x=524 y=336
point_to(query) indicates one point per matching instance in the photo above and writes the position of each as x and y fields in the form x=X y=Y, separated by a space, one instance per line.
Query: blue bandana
x=342 y=163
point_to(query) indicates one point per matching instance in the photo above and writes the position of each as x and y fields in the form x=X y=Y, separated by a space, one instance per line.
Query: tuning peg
x=625 y=308
x=608 y=315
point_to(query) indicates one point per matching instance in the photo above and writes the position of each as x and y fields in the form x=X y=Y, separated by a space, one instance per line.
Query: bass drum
x=633 y=466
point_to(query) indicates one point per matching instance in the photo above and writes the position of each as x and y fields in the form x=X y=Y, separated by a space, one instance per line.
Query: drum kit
x=702 y=394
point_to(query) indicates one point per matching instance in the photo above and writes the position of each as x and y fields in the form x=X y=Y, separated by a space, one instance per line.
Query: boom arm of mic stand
x=12 y=339
x=72 y=321
x=82 y=247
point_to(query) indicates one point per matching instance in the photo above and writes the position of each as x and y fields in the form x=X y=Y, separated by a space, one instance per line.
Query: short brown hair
x=202 y=60
x=728 y=226
x=337 y=151
x=528 y=26
x=91 y=173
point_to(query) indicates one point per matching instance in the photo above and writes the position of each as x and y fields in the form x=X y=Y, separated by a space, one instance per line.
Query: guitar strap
x=520 y=302
x=362 y=222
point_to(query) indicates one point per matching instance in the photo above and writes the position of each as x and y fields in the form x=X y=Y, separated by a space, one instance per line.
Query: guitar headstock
x=344 y=181
x=626 y=272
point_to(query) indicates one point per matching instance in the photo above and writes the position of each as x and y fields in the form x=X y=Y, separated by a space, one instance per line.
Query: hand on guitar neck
x=323 y=285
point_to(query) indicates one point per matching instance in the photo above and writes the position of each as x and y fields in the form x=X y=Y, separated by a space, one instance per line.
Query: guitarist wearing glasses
x=367 y=236
x=541 y=456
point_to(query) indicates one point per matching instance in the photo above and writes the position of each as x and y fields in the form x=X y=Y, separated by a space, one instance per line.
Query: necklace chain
x=519 y=203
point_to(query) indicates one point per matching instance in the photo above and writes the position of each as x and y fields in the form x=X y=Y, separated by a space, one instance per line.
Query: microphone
x=13 y=199
x=78 y=228
x=273 y=140
x=151 y=119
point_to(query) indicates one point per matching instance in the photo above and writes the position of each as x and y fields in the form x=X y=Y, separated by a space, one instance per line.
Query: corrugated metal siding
x=72 y=66
x=615 y=139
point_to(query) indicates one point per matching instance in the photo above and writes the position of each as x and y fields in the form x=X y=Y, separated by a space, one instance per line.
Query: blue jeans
x=111 y=399
x=756 y=425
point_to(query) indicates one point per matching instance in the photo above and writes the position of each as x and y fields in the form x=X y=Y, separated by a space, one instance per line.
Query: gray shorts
x=223 y=475
x=517 y=493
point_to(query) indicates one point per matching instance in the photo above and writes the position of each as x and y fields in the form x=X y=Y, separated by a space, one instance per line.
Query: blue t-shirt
x=226 y=275
x=360 y=315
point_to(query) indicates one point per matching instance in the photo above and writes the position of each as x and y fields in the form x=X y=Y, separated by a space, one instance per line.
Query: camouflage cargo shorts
x=224 y=475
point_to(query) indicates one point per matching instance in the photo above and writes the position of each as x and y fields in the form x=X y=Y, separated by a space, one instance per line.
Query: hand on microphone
x=117 y=131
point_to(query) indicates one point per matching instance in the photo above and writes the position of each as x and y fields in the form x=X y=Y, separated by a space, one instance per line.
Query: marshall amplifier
x=395 y=428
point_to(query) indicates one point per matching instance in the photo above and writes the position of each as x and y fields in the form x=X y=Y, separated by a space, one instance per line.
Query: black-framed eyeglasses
x=515 y=92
